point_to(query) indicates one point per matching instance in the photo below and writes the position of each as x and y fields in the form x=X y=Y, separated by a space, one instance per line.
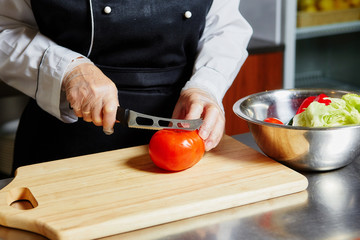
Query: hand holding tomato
x=176 y=150
x=195 y=103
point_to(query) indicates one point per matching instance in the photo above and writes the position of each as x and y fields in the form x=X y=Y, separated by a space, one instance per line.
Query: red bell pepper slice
x=305 y=104
x=307 y=101
x=320 y=99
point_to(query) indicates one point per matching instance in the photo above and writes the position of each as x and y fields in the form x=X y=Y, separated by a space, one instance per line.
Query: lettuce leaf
x=339 y=112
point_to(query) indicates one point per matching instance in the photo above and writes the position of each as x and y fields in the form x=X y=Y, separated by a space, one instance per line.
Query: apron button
x=187 y=14
x=107 y=10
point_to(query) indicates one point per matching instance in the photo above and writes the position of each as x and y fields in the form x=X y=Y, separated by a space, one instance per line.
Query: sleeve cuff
x=208 y=80
x=51 y=72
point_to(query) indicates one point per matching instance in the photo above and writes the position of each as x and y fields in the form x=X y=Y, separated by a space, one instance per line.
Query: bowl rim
x=236 y=109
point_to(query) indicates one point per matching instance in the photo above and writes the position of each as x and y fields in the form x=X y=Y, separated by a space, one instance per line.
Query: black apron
x=147 y=48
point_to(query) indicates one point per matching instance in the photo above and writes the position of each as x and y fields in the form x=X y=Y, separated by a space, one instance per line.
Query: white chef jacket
x=35 y=65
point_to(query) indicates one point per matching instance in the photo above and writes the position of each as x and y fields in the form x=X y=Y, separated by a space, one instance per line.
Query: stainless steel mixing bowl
x=301 y=148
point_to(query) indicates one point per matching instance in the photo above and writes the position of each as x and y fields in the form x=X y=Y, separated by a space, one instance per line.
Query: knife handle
x=122 y=115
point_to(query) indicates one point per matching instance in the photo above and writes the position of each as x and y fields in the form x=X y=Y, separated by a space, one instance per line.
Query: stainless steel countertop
x=328 y=209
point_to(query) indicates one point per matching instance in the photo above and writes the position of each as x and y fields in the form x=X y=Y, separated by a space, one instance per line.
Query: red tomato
x=273 y=120
x=176 y=150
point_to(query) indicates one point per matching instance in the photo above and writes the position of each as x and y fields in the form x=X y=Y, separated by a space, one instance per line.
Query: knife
x=132 y=119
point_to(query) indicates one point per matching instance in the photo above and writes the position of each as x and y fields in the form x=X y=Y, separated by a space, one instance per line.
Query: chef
x=78 y=60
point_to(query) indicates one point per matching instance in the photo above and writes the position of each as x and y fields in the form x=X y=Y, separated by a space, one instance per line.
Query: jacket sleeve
x=31 y=62
x=222 y=49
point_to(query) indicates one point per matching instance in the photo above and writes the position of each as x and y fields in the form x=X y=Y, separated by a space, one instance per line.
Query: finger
x=109 y=116
x=75 y=107
x=89 y=105
x=71 y=97
x=210 y=118
x=96 y=114
x=216 y=134
x=86 y=112
x=178 y=112
x=77 y=112
x=86 y=115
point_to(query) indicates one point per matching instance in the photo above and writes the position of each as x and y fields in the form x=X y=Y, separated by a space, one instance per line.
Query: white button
x=107 y=10
x=188 y=14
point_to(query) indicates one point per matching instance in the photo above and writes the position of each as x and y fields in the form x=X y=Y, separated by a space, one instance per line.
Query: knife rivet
x=107 y=10
x=188 y=14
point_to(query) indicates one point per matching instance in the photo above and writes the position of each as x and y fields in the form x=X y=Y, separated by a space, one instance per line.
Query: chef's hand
x=92 y=95
x=195 y=103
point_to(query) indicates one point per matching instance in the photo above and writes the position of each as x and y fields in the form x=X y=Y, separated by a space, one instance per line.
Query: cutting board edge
x=111 y=227
x=227 y=202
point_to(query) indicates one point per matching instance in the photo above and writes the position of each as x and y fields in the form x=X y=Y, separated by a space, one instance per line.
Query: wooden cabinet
x=260 y=72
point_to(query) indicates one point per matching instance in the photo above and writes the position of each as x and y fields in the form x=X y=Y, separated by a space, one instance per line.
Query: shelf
x=327 y=30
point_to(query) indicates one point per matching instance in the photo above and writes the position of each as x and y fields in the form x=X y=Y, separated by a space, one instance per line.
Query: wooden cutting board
x=113 y=192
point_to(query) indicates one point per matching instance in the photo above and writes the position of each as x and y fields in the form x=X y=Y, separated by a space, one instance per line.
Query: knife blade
x=132 y=119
